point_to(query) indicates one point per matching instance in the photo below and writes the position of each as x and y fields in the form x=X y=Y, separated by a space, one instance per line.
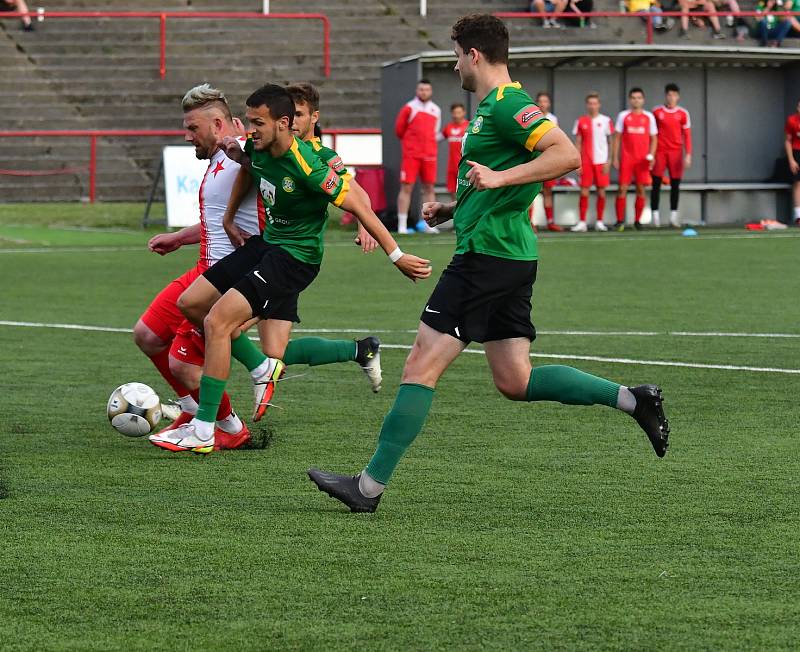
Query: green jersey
x=296 y=188
x=330 y=157
x=506 y=128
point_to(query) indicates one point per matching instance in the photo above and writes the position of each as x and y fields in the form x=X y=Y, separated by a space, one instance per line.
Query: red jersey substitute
x=454 y=134
x=416 y=126
x=793 y=129
x=594 y=133
x=674 y=128
x=635 y=130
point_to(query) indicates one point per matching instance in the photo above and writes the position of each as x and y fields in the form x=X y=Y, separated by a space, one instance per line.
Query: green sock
x=571 y=386
x=316 y=350
x=400 y=427
x=246 y=352
x=211 y=390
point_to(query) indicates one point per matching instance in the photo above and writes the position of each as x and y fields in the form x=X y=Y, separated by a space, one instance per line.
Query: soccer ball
x=134 y=409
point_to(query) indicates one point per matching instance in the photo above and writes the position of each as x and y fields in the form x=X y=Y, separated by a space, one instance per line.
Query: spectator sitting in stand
x=773 y=29
x=18 y=6
x=549 y=7
x=700 y=5
x=579 y=7
x=741 y=29
x=650 y=7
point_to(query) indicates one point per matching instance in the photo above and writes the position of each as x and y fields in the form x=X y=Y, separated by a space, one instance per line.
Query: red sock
x=601 y=208
x=620 y=210
x=583 y=205
x=548 y=211
x=639 y=208
x=161 y=362
x=225 y=408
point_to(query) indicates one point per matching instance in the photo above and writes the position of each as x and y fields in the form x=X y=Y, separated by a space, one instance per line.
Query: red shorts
x=593 y=175
x=549 y=184
x=452 y=180
x=189 y=346
x=411 y=167
x=638 y=170
x=163 y=316
x=672 y=160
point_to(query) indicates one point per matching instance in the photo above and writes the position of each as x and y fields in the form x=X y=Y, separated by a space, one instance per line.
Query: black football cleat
x=368 y=357
x=649 y=414
x=345 y=489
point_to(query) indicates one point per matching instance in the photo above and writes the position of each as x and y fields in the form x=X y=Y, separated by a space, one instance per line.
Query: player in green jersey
x=263 y=278
x=484 y=295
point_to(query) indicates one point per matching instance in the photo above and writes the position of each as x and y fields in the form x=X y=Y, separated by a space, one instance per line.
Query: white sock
x=204 y=429
x=656 y=218
x=264 y=368
x=797 y=212
x=673 y=215
x=188 y=404
x=369 y=487
x=230 y=424
x=626 y=401
x=402 y=221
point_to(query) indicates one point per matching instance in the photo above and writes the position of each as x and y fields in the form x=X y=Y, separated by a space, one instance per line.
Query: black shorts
x=268 y=276
x=482 y=298
x=796 y=177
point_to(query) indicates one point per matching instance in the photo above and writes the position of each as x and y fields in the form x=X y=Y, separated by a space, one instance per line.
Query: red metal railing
x=162 y=17
x=94 y=134
x=648 y=17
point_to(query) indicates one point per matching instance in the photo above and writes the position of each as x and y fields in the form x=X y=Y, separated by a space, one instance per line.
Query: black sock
x=655 y=193
x=674 y=193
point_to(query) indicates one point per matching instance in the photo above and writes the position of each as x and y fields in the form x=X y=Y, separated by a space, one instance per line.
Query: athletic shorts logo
x=336 y=164
x=288 y=184
x=267 y=192
x=330 y=183
x=526 y=116
x=477 y=124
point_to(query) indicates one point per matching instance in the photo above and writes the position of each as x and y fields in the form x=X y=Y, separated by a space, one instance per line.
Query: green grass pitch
x=507 y=526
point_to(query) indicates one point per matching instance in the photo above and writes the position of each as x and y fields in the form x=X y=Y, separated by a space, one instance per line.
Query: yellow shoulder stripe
x=343 y=192
x=299 y=158
x=536 y=135
x=501 y=89
x=314 y=142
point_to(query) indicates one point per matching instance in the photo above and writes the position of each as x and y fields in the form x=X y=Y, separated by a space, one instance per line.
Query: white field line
x=549 y=356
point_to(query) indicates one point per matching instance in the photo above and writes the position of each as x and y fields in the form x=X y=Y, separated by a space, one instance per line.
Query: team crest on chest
x=477 y=124
x=288 y=184
x=267 y=192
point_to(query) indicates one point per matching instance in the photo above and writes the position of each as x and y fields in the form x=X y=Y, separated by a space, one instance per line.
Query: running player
x=418 y=126
x=633 y=153
x=454 y=134
x=162 y=332
x=544 y=102
x=792 y=145
x=484 y=295
x=674 y=151
x=264 y=278
x=592 y=133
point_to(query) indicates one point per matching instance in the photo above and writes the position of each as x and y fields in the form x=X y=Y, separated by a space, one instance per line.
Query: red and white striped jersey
x=674 y=128
x=594 y=133
x=419 y=126
x=215 y=191
x=635 y=130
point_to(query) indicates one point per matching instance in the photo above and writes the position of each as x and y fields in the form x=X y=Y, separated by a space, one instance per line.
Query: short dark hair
x=456 y=105
x=635 y=89
x=424 y=81
x=276 y=98
x=672 y=86
x=485 y=33
x=592 y=94
x=306 y=93
x=545 y=93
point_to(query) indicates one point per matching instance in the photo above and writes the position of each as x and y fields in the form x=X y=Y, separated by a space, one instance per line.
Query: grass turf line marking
x=407 y=347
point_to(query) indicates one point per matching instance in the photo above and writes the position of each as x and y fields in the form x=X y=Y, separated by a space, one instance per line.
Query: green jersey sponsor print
x=506 y=128
x=296 y=188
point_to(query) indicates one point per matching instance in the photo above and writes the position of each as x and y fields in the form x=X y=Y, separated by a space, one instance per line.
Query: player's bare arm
x=436 y=212
x=794 y=165
x=653 y=146
x=615 y=150
x=165 y=243
x=363 y=238
x=558 y=157
x=411 y=266
x=242 y=185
